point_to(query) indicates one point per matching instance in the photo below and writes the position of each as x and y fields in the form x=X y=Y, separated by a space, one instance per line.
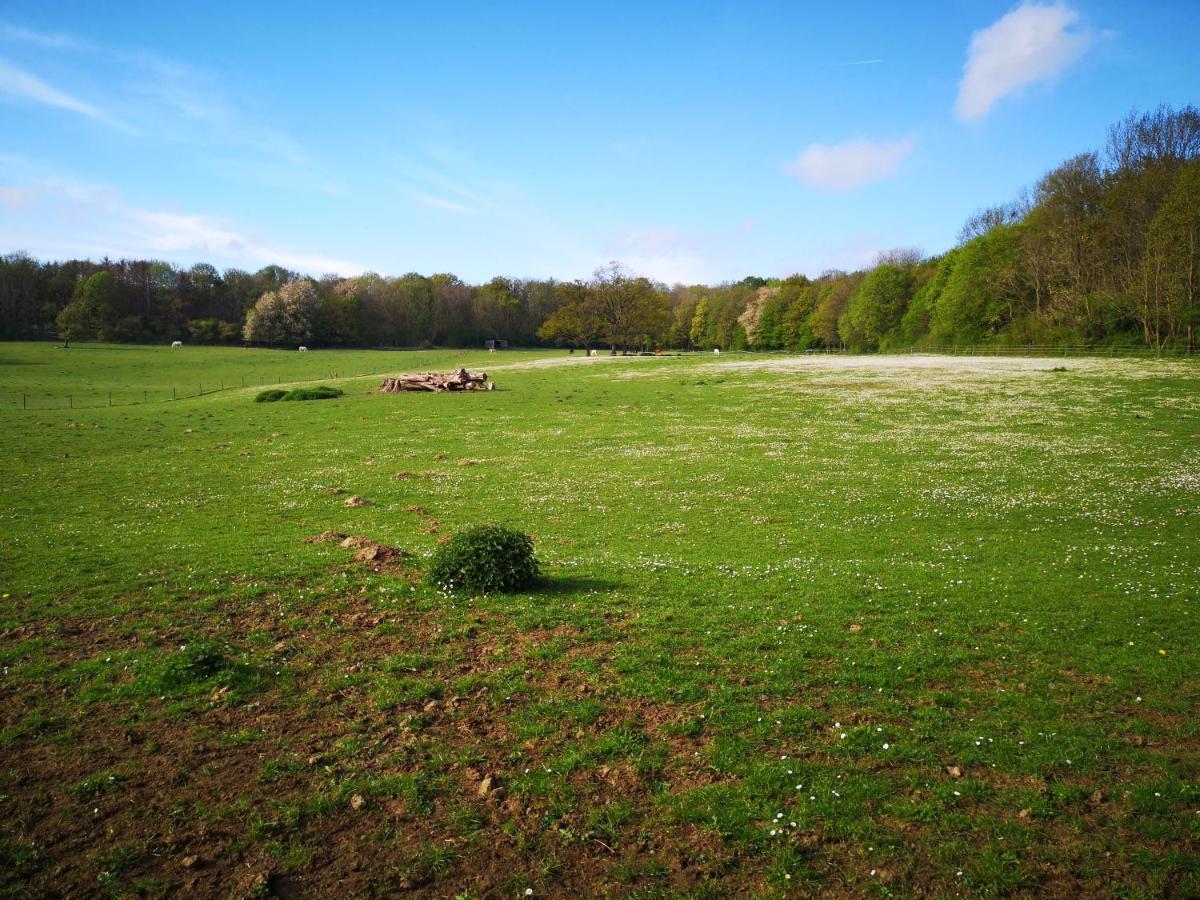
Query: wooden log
x=460 y=380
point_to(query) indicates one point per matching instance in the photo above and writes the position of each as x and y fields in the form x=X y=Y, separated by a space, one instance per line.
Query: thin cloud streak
x=441 y=203
x=45 y=40
x=19 y=83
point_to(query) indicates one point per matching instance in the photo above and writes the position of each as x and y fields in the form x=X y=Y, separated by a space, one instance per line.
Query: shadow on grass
x=561 y=586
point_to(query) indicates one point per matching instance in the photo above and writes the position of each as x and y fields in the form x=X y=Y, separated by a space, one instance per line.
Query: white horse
x=176 y=343
x=303 y=349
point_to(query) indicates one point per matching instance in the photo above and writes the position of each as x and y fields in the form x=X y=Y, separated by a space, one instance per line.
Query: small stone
x=189 y=862
x=855 y=628
x=1025 y=815
x=485 y=786
x=954 y=771
x=357 y=802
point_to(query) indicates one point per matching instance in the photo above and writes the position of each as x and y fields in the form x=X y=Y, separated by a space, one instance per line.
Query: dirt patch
x=325 y=536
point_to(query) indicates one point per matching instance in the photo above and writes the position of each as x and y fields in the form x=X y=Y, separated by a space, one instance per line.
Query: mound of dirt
x=366 y=551
x=325 y=536
x=379 y=555
x=357 y=501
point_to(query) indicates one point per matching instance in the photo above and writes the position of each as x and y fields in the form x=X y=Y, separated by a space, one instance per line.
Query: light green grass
x=1017 y=550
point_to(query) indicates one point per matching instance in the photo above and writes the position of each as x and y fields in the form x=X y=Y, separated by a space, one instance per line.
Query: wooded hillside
x=1104 y=250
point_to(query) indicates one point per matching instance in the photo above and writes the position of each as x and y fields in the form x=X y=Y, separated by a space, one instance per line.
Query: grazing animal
x=303 y=349
x=176 y=343
x=717 y=351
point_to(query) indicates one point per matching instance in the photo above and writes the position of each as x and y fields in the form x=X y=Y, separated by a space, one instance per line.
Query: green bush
x=489 y=559
x=320 y=392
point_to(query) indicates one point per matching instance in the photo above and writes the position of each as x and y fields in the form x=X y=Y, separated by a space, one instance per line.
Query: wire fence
x=130 y=396
x=990 y=350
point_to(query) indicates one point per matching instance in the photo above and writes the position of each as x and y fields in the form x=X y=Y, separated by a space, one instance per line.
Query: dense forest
x=1103 y=251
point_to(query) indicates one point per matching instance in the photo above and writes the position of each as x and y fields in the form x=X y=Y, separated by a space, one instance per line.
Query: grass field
x=845 y=625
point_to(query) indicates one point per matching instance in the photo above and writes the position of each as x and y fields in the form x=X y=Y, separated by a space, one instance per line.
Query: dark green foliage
x=979 y=288
x=197 y=662
x=321 y=392
x=199 y=666
x=876 y=308
x=489 y=558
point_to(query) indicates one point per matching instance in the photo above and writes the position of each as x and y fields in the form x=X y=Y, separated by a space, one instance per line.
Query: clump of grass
x=320 y=392
x=487 y=558
x=198 y=666
x=95 y=785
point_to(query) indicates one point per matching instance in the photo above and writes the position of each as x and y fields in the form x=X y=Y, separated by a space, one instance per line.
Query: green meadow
x=817 y=625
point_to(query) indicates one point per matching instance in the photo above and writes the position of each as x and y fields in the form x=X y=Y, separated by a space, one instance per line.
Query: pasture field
x=865 y=626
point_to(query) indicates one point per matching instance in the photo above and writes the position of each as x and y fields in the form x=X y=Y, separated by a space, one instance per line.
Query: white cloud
x=663 y=254
x=1030 y=44
x=198 y=237
x=19 y=83
x=55 y=217
x=850 y=164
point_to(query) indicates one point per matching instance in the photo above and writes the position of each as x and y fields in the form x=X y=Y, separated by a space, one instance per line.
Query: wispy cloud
x=200 y=237
x=857 y=62
x=43 y=39
x=850 y=164
x=463 y=192
x=19 y=83
x=169 y=101
x=1030 y=44
x=665 y=254
x=52 y=215
x=441 y=203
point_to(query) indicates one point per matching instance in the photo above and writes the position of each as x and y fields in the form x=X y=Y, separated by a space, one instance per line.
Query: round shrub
x=320 y=392
x=489 y=559
x=270 y=396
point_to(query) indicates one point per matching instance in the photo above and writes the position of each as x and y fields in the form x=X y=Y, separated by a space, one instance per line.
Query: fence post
x=143 y=396
x=23 y=406
x=71 y=400
x=172 y=392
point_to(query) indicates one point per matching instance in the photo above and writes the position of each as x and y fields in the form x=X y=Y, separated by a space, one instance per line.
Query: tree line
x=1103 y=251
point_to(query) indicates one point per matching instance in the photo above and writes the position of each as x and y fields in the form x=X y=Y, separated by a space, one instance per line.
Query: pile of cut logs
x=462 y=380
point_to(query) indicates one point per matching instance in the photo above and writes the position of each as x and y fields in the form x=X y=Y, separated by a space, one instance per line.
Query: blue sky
x=694 y=142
